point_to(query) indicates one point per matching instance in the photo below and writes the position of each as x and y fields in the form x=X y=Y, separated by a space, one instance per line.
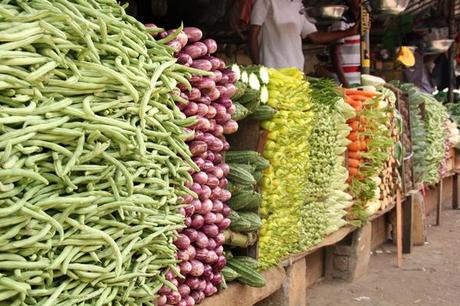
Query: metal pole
x=452 y=50
x=365 y=41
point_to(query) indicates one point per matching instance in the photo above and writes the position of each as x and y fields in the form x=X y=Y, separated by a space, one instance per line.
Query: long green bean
x=92 y=155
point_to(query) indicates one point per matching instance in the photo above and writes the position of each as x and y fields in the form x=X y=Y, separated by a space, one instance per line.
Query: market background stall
x=176 y=211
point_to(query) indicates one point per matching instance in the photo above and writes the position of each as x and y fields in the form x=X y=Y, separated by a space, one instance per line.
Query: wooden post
x=452 y=34
x=399 y=229
x=293 y=291
x=418 y=219
x=408 y=206
x=439 y=204
x=455 y=191
x=365 y=41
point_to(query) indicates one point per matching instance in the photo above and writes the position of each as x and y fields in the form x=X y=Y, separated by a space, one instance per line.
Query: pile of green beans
x=92 y=155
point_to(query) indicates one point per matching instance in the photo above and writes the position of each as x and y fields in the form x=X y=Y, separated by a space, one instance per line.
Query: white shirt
x=283 y=27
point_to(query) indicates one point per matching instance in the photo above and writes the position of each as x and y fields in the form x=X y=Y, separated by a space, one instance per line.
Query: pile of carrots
x=357 y=98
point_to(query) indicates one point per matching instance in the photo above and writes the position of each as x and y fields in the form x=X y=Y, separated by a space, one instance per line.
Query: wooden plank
x=379 y=232
x=418 y=220
x=333 y=238
x=399 y=229
x=329 y=240
x=315 y=267
x=237 y=294
x=407 y=225
x=455 y=203
x=439 y=204
x=361 y=251
x=263 y=137
x=247 y=136
x=452 y=51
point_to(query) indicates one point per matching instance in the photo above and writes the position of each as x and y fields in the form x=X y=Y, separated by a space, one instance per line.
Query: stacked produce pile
x=403 y=106
x=368 y=152
x=453 y=108
x=245 y=172
x=325 y=189
x=454 y=112
x=436 y=132
x=304 y=194
x=452 y=141
x=209 y=99
x=418 y=134
x=287 y=150
x=454 y=135
x=245 y=199
x=390 y=179
x=243 y=269
x=252 y=93
x=92 y=155
x=429 y=134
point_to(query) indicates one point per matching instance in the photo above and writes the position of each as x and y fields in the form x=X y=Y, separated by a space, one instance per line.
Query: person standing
x=276 y=32
x=346 y=53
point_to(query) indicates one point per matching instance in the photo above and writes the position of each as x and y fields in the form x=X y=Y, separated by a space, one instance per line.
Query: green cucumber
x=245 y=200
x=229 y=274
x=240 y=176
x=248 y=275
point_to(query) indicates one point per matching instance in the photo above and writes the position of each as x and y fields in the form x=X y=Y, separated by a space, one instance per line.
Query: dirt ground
x=430 y=274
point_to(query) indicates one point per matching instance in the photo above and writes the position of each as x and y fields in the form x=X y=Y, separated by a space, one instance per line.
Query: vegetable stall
x=122 y=182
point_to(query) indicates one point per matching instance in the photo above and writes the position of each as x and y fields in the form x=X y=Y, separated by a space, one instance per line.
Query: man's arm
x=337 y=64
x=327 y=37
x=253 y=41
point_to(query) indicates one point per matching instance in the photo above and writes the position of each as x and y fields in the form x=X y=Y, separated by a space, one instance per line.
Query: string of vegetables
x=326 y=177
x=368 y=151
x=389 y=178
x=429 y=135
x=92 y=153
x=200 y=244
x=284 y=181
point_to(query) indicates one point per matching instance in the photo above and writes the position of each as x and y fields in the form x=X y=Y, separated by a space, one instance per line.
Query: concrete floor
x=430 y=274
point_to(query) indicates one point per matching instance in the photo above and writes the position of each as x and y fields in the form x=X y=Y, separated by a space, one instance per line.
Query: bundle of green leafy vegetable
x=435 y=120
x=428 y=117
x=92 y=154
x=326 y=199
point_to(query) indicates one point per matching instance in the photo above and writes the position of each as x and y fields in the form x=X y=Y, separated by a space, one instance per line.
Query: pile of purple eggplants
x=200 y=244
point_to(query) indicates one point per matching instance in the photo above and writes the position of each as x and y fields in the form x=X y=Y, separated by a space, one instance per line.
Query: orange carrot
x=354 y=125
x=360 y=98
x=349 y=100
x=354 y=163
x=353 y=171
x=363 y=146
x=358 y=107
x=369 y=94
x=354 y=103
x=354 y=119
x=353 y=136
x=354 y=146
x=354 y=154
